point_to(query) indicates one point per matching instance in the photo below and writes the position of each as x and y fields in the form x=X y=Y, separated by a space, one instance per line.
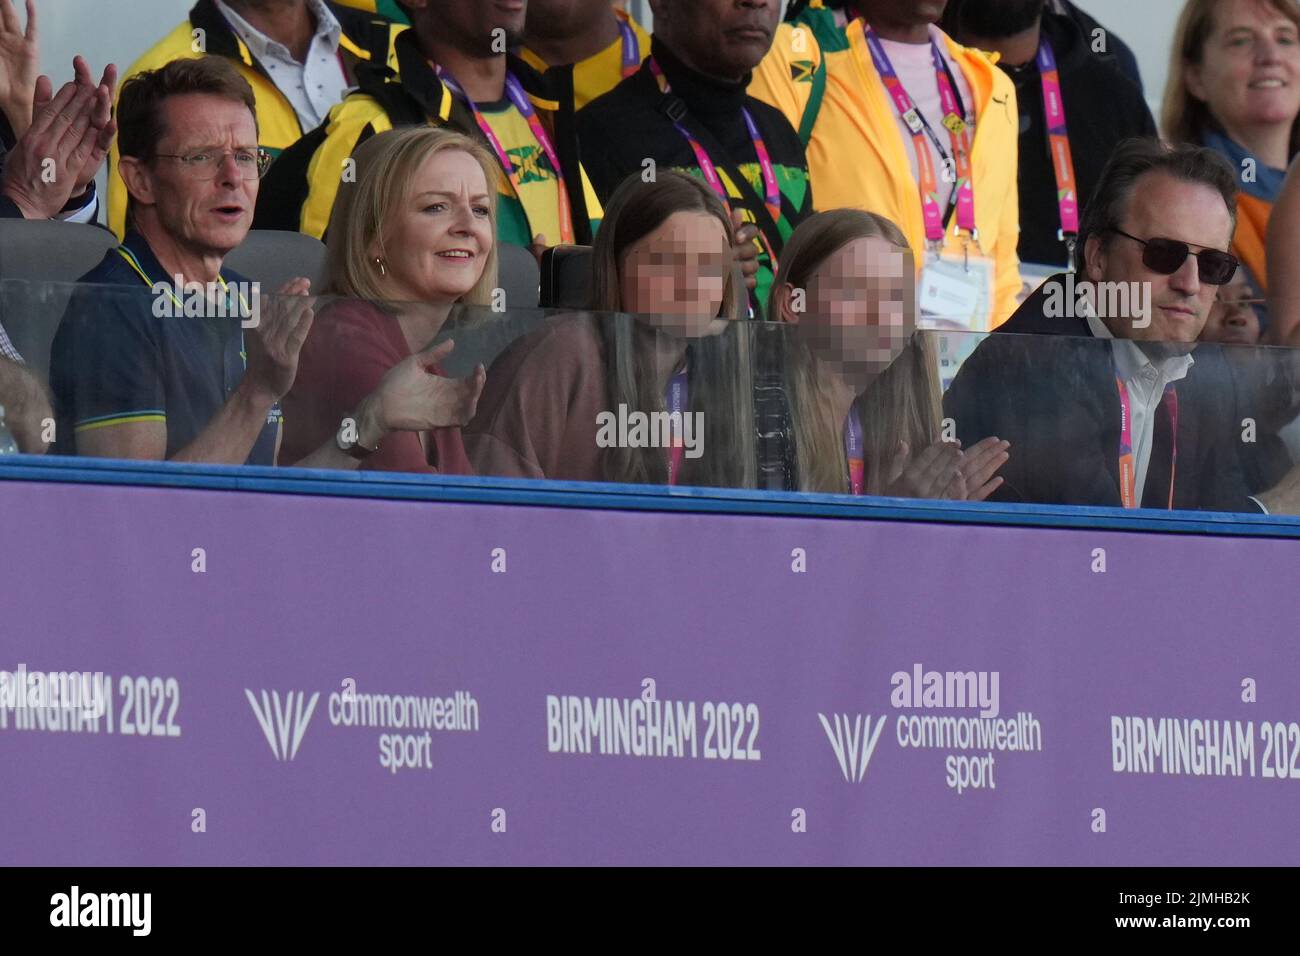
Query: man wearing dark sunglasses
x=1166 y=256
x=1099 y=393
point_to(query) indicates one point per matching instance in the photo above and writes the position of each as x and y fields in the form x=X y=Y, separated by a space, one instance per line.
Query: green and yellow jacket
x=298 y=191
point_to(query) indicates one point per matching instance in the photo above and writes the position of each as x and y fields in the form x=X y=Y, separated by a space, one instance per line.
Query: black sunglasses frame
x=1211 y=258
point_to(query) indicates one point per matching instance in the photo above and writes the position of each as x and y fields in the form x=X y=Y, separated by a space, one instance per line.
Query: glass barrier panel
x=1043 y=419
x=233 y=376
x=829 y=404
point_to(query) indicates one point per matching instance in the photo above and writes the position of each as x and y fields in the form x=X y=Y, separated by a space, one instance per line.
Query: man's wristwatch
x=353 y=448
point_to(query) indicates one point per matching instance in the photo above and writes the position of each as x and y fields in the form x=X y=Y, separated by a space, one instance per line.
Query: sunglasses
x=1166 y=256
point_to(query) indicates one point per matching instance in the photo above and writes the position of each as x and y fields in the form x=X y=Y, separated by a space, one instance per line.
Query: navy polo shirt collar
x=135 y=244
x=138 y=246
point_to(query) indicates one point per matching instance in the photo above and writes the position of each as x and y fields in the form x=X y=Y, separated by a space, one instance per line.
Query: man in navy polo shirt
x=161 y=366
x=133 y=380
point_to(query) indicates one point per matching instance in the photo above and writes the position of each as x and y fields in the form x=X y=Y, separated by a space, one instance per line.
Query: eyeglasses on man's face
x=205 y=164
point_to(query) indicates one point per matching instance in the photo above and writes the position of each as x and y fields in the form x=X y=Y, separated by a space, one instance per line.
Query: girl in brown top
x=584 y=397
x=863 y=384
x=414 y=228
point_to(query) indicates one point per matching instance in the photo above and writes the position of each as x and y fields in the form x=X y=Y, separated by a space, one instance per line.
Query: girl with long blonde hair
x=862 y=383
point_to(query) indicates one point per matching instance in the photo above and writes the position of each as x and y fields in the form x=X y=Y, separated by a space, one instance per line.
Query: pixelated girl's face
x=858 y=313
x=677 y=274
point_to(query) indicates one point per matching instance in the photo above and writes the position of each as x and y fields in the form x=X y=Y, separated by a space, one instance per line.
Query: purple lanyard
x=1058 y=137
x=853 y=451
x=631 y=48
x=675 y=399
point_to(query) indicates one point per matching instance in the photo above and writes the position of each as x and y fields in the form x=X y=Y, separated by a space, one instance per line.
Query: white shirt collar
x=262 y=46
x=1131 y=361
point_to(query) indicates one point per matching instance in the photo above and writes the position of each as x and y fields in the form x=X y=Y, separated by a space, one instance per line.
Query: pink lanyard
x=1058 y=137
x=675 y=399
x=771 y=190
x=1127 y=461
x=521 y=102
x=958 y=134
x=853 y=451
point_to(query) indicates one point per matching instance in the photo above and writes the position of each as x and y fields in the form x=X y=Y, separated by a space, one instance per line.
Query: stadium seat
x=48 y=251
x=566 y=277
x=272 y=258
x=34 y=254
x=518 y=275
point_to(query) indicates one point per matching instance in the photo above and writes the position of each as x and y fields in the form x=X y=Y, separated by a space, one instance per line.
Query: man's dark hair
x=1134 y=158
x=140 y=124
x=991 y=19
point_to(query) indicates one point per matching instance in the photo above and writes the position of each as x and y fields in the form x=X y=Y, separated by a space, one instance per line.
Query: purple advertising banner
x=280 y=679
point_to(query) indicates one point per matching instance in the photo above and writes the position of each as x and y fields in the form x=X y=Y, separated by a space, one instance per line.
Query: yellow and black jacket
x=299 y=189
x=597 y=74
x=366 y=39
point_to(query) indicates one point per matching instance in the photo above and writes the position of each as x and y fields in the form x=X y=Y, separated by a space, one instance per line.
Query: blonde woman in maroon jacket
x=863 y=384
x=410 y=238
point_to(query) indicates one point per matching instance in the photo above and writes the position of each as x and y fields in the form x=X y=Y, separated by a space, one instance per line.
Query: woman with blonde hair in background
x=862 y=383
x=1234 y=86
x=411 y=237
